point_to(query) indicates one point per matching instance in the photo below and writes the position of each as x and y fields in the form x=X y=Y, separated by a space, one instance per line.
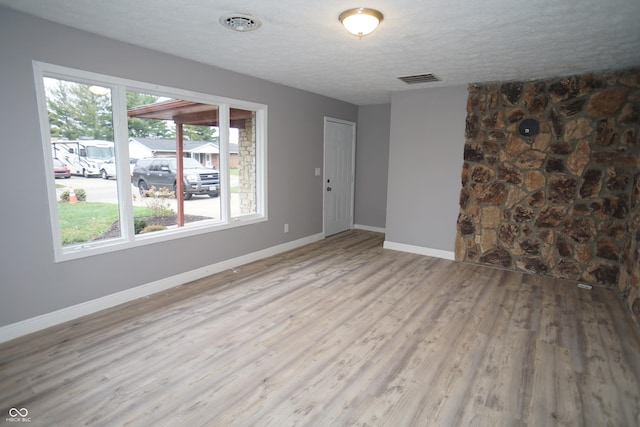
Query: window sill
x=88 y=249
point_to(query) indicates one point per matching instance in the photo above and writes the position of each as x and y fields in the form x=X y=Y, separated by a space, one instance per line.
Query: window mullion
x=123 y=172
x=225 y=187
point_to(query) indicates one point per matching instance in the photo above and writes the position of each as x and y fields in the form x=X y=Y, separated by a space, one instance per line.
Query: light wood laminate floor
x=338 y=333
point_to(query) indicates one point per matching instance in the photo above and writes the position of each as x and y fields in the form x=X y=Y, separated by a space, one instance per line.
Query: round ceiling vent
x=240 y=22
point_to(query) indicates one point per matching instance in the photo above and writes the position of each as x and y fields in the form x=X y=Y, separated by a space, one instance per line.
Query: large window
x=130 y=163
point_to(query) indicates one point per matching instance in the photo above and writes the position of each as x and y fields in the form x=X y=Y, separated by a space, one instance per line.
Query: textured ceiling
x=302 y=44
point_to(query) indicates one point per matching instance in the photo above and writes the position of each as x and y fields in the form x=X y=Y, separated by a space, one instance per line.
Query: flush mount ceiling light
x=360 y=21
x=99 y=90
x=240 y=22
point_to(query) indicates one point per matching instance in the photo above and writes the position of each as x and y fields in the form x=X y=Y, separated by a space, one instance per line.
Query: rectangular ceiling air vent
x=420 y=78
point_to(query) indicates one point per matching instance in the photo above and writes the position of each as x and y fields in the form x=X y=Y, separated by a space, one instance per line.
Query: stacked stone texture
x=247 y=166
x=565 y=202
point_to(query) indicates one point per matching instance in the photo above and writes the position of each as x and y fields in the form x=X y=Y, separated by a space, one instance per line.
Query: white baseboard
x=37 y=323
x=369 y=228
x=437 y=253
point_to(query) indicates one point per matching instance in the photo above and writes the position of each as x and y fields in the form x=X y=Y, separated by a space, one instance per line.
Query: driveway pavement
x=101 y=190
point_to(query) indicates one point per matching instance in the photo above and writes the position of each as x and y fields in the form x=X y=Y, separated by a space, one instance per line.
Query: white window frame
x=119 y=87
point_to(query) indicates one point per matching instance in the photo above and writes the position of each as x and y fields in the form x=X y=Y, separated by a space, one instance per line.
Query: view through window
x=243 y=163
x=162 y=131
x=81 y=135
x=131 y=164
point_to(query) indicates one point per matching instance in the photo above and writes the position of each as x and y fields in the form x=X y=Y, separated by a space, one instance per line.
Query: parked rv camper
x=84 y=157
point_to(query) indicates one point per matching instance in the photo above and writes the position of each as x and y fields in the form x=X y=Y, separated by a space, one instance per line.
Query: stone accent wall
x=629 y=283
x=562 y=203
x=247 y=166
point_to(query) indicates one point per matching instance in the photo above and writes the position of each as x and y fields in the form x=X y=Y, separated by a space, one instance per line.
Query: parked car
x=60 y=170
x=108 y=168
x=160 y=172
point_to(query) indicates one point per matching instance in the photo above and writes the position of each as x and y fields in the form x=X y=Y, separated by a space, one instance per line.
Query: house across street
x=206 y=152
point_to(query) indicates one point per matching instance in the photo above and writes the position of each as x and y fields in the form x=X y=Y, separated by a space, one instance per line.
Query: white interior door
x=339 y=156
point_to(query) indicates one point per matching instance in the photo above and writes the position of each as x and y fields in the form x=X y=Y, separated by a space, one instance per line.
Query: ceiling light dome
x=360 y=21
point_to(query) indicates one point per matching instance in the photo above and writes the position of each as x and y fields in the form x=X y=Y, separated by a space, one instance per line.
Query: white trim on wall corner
x=37 y=323
x=369 y=228
x=437 y=253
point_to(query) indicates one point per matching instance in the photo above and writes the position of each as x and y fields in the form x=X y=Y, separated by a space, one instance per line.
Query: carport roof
x=188 y=113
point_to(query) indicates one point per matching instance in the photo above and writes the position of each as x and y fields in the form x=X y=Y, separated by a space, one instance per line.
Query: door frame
x=352 y=166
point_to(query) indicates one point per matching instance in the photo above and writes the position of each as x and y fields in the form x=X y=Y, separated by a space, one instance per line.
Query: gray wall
x=425 y=162
x=30 y=282
x=372 y=165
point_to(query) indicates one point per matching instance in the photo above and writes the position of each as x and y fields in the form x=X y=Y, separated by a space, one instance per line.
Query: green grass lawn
x=83 y=222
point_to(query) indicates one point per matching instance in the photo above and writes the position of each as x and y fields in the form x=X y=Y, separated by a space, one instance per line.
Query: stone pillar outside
x=247 y=166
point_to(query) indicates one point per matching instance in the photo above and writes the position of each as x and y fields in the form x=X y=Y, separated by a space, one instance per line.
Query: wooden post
x=179 y=175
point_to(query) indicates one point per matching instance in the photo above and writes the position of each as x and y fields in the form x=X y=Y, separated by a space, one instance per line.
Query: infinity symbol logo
x=13 y=412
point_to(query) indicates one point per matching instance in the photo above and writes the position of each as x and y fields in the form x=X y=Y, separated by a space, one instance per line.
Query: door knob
x=328 y=188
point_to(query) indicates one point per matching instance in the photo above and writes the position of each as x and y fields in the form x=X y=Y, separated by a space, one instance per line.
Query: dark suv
x=160 y=172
